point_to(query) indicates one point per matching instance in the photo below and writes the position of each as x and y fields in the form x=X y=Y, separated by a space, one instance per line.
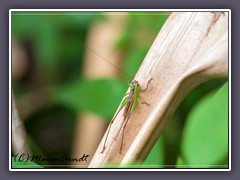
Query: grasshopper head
x=135 y=83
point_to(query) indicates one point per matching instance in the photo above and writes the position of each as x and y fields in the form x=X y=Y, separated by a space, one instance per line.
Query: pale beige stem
x=19 y=136
x=191 y=48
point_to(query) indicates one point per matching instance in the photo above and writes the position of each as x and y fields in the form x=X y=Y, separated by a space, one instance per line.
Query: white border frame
x=116 y=10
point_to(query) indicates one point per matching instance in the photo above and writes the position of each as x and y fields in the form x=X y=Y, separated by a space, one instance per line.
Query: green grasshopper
x=129 y=102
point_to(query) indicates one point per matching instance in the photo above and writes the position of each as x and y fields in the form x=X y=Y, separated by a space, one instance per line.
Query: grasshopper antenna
x=109 y=62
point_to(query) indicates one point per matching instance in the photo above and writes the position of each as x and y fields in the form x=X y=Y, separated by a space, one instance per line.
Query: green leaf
x=180 y=163
x=101 y=96
x=47 y=50
x=135 y=164
x=205 y=138
x=156 y=157
x=17 y=163
x=24 y=25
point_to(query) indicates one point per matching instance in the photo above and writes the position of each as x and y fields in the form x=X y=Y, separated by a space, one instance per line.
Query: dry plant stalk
x=191 y=48
x=19 y=137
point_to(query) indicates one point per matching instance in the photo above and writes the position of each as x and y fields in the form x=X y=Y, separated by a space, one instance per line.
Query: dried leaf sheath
x=192 y=47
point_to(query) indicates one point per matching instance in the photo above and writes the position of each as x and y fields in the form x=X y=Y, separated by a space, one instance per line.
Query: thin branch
x=19 y=137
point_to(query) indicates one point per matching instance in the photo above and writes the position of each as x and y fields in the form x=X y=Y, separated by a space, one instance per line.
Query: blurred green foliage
x=99 y=96
x=55 y=43
x=19 y=164
x=205 y=136
x=156 y=158
x=57 y=40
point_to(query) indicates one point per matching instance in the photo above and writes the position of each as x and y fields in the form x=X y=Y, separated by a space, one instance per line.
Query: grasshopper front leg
x=143 y=90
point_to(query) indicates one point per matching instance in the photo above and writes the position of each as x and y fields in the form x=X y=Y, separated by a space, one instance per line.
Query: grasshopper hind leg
x=121 y=106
